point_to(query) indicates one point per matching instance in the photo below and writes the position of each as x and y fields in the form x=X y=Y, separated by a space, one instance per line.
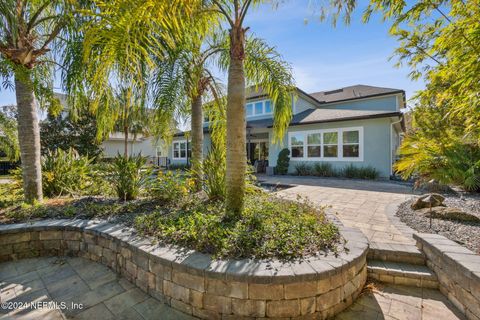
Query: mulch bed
x=465 y=233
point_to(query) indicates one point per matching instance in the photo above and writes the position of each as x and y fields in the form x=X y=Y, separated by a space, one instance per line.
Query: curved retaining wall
x=317 y=288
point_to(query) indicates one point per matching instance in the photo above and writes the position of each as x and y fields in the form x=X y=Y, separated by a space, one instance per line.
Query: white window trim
x=340 y=145
x=179 y=151
x=263 y=108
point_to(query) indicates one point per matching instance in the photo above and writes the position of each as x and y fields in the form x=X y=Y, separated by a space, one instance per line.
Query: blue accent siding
x=377 y=104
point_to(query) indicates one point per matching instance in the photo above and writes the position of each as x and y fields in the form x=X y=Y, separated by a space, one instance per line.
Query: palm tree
x=272 y=75
x=28 y=32
x=124 y=43
x=127 y=113
x=193 y=82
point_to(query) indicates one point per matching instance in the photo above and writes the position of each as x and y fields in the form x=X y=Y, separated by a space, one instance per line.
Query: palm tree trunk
x=29 y=139
x=236 y=131
x=125 y=151
x=197 y=140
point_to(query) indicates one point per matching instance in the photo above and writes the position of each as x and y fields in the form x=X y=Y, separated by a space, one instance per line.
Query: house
x=360 y=125
x=147 y=146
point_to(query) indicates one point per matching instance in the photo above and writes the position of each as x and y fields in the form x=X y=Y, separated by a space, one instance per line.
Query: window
x=180 y=150
x=268 y=108
x=296 y=143
x=351 y=144
x=344 y=144
x=314 y=142
x=330 y=144
x=258 y=108
x=249 y=109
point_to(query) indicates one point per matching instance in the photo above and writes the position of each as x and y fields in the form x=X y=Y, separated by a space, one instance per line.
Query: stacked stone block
x=316 y=288
x=457 y=269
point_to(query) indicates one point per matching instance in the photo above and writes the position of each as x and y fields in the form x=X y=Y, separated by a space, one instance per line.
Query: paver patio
x=363 y=204
x=104 y=295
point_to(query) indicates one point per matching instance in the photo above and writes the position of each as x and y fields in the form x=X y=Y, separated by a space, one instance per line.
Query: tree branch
x=53 y=34
x=236 y=8
x=31 y=23
x=244 y=10
x=455 y=27
x=224 y=12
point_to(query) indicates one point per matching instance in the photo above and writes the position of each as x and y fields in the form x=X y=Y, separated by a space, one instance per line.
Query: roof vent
x=333 y=91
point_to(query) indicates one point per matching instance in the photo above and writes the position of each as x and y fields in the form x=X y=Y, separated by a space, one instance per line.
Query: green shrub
x=324 y=169
x=369 y=173
x=128 y=176
x=449 y=160
x=179 y=166
x=283 y=161
x=268 y=227
x=214 y=174
x=353 y=172
x=10 y=194
x=66 y=173
x=303 y=169
x=170 y=186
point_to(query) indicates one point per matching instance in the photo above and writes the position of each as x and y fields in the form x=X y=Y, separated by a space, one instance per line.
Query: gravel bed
x=465 y=233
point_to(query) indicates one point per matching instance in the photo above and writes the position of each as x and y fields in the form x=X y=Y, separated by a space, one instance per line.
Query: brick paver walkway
x=394 y=302
x=105 y=296
x=357 y=203
x=102 y=293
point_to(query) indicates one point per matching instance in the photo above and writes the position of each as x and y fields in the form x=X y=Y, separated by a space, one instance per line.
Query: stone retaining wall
x=192 y=282
x=457 y=269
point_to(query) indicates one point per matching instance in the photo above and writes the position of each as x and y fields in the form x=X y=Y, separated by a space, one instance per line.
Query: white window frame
x=350 y=144
x=254 y=114
x=339 y=157
x=306 y=145
x=179 y=142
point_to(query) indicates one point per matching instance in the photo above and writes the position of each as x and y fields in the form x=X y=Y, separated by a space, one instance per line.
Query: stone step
x=402 y=274
x=390 y=252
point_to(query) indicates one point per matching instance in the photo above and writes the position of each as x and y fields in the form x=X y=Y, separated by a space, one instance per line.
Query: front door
x=257 y=152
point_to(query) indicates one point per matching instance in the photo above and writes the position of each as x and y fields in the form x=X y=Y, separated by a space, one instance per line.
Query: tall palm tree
x=29 y=30
x=273 y=77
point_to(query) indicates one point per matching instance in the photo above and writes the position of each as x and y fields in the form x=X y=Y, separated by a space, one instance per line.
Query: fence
x=6 y=166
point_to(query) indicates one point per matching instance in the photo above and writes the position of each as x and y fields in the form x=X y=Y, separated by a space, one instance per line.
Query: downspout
x=391 y=144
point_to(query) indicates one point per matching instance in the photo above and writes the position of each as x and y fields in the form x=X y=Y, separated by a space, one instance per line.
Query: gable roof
x=352 y=92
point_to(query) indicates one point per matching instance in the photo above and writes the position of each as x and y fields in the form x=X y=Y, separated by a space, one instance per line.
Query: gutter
x=374 y=116
x=391 y=146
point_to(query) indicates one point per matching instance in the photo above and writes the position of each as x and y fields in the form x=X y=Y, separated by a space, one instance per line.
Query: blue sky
x=323 y=57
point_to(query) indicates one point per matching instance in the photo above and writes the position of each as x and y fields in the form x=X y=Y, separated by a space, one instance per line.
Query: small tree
x=283 y=162
x=61 y=132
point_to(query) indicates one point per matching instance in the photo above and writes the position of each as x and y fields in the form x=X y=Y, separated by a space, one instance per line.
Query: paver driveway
x=367 y=205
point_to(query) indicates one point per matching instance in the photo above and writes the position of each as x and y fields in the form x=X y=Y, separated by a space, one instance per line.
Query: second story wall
x=386 y=103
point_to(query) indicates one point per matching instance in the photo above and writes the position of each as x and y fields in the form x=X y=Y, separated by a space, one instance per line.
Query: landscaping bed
x=269 y=226
x=466 y=233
